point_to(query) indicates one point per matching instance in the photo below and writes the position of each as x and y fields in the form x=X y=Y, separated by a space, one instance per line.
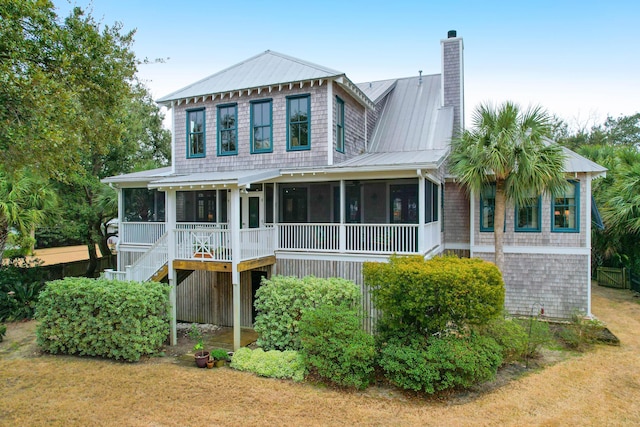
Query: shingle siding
x=559 y=283
x=280 y=157
x=354 y=126
x=456 y=214
x=452 y=78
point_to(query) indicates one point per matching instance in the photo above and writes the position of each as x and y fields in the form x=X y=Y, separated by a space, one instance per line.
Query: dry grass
x=601 y=387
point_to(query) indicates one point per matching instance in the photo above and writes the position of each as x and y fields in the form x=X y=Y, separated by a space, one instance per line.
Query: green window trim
x=431 y=204
x=339 y=125
x=565 y=211
x=530 y=215
x=196 y=135
x=227 y=129
x=299 y=125
x=261 y=118
x=487 y=207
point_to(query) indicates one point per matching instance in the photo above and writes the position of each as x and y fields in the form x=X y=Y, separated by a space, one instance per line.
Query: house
x=284 y=166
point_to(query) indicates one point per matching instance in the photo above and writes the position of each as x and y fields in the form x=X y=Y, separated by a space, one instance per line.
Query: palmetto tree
x=509 y=148
x=25 y=201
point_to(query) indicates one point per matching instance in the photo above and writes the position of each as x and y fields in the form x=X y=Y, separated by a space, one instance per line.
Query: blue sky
x=578 y=59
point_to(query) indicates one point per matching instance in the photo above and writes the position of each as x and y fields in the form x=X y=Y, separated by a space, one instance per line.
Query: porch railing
x=145 y=233
x=256 y=242
x=203 y=244
x=388 y=238
x=146 y=266
x=358 y=238
x=195 y=225
x=309 y=237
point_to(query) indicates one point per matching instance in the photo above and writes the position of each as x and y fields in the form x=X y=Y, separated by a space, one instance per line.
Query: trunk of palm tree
x=4 y=234
x=498 y=224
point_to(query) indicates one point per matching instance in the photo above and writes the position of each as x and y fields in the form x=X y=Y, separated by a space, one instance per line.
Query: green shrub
x=3 y=331
x=436 y=364
x=580 y=332
x=538 y=335
x=281 y=302
x=336 y=347
x=21 y=282
x=271 y=364
x=219 y=354
x=432 y=296
x=107 y=318
x=510 y=336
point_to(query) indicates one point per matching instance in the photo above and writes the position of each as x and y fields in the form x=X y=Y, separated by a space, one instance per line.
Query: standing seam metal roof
x=267 y=68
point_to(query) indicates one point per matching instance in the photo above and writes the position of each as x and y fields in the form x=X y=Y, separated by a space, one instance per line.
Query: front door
x=252 y=209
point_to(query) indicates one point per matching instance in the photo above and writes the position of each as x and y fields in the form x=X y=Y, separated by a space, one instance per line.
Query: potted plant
x=220 y=356
x=200 y=355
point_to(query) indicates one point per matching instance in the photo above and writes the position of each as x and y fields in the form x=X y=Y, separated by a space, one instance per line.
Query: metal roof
x=238 y=177
x=267 y=68
x=144 y=176
x=412 y=118
x=377 y=90
x=574 y=162
x=396 y=160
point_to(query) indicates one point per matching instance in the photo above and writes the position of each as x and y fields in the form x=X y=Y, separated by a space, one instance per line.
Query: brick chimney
x=452 y=82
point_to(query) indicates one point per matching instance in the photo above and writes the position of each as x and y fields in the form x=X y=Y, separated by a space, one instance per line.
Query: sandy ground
x=598 y=388
x=51 y=256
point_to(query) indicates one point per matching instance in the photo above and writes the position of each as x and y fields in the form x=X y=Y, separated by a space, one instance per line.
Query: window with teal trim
x=527 y=216
x=195 y=133
x=565 y=209
x=487 y=207
x=261 y=126
x=299 y=122
x=430 y=202
x=227 y=130
x=339 y=125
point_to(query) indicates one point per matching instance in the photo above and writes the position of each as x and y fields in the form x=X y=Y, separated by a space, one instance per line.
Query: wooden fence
x=610 y=277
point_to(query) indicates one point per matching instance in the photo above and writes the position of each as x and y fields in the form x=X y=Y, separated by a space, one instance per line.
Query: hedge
x=271 y=364
x=106 y=318
x=281 y=302
x=430 y=296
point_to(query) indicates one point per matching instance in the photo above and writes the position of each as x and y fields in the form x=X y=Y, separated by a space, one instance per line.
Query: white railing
x=140 y=232
x=203 y=244
x=196 y=225
x=387 y=238
x=432 y=234
x=309 y=237
x=111 y=274
x=150 y=262
x=256 y=242
x=358 y=238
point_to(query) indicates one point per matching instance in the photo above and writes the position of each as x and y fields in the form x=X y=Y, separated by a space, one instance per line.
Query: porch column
x=170 y=221
x=421 y=213
x=343 y=227
x=234 y=227
x=120 y=265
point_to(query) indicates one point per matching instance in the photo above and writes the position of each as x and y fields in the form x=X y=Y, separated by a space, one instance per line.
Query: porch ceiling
x=238 y=178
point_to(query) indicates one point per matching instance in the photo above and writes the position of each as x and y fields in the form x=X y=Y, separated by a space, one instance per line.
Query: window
x=404 y=204
x=487 y=207
x=430 y=202
x=195 y=133
x=143 y=205
x=294 y=204
x=339 y=125
x=298 y=119
x=565 y=209
x=527 y=217
x=261 y=127
x=227 y=130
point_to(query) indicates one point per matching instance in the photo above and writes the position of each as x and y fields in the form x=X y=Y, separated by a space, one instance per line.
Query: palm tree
x=509 y=148
x=25 y=201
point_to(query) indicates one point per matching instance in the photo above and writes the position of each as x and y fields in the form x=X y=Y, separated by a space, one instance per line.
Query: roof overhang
x=137 y=178
x=210 y=180
x=230 y=95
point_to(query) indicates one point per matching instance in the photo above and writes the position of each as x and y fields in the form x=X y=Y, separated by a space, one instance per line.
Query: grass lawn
x=601 y=387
